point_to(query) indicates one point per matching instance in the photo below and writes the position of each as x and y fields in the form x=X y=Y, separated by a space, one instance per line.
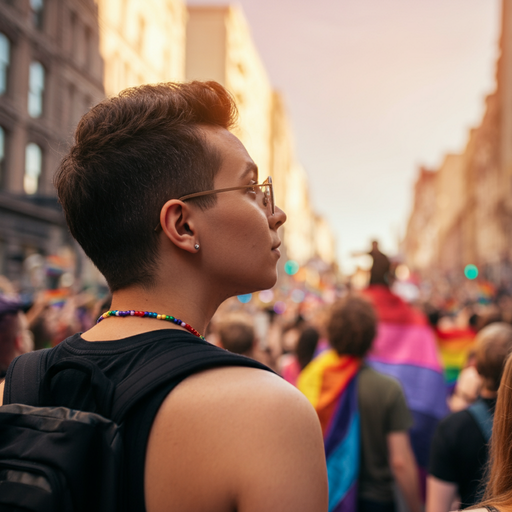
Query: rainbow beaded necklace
x=148 y=314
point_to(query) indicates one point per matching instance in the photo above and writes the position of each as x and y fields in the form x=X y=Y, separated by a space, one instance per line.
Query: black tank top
x=117 y=359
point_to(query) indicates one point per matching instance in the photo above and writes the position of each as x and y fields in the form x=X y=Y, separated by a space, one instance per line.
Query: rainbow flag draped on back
x=454 y=347
x=330 y=384
x=406 y=348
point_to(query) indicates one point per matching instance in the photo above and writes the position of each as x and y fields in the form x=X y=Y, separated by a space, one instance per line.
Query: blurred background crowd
x=274 y=323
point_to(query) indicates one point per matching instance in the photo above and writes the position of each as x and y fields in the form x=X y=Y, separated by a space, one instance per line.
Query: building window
x=37 y=8
x=5 y=58
x=35 y=89
x=33 y=168
x=2 y=155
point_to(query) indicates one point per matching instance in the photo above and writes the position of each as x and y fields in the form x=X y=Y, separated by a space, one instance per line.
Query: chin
x=261 y=283
x=269 y=281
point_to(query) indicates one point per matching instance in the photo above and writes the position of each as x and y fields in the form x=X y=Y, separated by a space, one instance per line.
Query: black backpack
x=63 y=460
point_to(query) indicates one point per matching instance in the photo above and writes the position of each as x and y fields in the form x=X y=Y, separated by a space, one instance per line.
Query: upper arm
x=440 y=494
x=399 y=417
x=287 y=469
x=245 y=440
x=2 y=386
x=399 y=449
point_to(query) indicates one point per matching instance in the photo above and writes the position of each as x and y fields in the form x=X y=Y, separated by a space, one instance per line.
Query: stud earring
x=196 y=247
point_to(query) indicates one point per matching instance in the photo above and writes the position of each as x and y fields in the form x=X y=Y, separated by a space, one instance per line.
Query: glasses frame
x=267 y=183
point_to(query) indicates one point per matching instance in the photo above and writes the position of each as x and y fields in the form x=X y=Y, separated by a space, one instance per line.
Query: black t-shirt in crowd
x=459 y=454
x=117 y=360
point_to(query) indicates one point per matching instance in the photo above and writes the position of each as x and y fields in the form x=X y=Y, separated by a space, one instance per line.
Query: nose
x=278 y=219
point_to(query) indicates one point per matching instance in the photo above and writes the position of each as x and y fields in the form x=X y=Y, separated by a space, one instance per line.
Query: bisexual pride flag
x=406 y=348
x=330 y=384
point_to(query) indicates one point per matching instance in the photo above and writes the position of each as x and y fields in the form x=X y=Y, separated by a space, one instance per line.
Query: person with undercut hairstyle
x=170 y=207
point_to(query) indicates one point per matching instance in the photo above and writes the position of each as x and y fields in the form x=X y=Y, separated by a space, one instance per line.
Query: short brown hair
x=236 y=336
x=132 y=153
x=492 y=347
x=352 y=326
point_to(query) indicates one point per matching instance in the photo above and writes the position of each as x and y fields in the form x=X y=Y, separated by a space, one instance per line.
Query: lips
x=276 y=250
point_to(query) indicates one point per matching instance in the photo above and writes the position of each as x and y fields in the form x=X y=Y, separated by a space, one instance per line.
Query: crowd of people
x=383 y=406
x=337 y=339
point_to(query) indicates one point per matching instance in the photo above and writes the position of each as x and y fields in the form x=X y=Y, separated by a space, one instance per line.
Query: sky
x=374 y=89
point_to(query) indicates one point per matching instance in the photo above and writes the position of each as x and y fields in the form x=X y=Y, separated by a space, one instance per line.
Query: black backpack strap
x=176 y=364
x=23 y=378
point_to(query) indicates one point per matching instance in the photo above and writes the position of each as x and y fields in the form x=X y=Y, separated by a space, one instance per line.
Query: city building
x=420 y=236
x=472 y=219
x=51 y=72
x=141 y=41
x=57 y=59
x=450 y=206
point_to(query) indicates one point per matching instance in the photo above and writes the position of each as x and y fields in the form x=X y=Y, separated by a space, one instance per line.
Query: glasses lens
x=269 y=194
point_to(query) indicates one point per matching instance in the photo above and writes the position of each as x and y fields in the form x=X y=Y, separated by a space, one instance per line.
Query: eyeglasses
x=266 y=190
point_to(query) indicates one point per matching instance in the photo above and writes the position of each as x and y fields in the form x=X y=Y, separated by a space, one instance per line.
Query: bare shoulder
x=242 y=394
x=251 y=439
x=241 y=401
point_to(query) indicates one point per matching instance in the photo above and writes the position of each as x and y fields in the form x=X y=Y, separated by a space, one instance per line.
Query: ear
x=177 y=221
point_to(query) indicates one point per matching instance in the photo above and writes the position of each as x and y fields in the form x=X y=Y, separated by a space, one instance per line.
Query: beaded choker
x=148 y=314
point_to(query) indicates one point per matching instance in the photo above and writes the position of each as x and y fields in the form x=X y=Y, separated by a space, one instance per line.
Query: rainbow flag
x=486 y=292
x=454 y=347
x=57 y=297
x=330 y=384
x=406 y=348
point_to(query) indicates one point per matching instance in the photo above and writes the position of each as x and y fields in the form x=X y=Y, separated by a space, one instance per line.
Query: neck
x=193 y=303
x=185 y=288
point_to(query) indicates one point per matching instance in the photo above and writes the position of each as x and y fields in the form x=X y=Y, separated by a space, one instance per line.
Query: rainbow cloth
x=406 y=349
x=330 y=384
x=454 y=346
